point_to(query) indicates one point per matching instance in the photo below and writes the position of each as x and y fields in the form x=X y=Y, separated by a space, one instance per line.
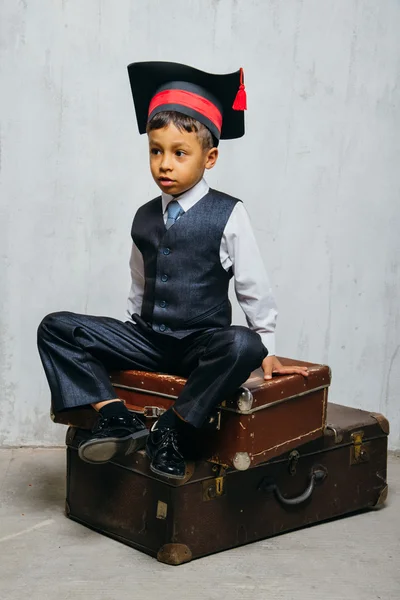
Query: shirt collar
x=187 y=199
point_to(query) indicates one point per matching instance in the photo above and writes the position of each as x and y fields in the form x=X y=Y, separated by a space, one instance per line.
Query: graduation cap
x=216 y=101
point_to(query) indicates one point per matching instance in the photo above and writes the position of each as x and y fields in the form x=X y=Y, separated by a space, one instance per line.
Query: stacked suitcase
x=278 y=457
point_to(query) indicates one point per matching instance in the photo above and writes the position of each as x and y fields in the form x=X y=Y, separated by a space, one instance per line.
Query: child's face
x=177 y=159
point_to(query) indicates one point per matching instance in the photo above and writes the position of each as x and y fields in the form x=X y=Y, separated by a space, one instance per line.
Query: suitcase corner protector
x=382 y=497
x=382 y=422
x=174 y=554
x=241 y=461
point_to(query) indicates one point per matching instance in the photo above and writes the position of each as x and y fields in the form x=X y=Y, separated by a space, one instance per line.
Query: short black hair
x=183 y=122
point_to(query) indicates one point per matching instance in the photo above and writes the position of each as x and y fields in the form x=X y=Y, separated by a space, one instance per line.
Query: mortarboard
x=216 y=101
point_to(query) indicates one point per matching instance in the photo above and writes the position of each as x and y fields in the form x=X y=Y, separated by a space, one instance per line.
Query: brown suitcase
x=214 y=509
x=264 y=419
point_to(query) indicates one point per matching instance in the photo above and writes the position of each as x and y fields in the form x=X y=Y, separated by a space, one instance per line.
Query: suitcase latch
x=293 y=460
x=153 y=412
x=214 y=421
x=359 y=451
x=214 y=488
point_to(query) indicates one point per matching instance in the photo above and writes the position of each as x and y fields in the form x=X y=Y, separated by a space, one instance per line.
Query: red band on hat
x=190 y=100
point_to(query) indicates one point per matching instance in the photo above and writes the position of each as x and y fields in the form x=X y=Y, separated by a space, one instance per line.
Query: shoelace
x=171 y=436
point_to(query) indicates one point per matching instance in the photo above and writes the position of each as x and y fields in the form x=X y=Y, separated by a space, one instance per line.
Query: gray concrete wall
x=318 y=170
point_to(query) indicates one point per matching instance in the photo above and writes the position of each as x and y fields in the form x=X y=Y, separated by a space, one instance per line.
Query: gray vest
x=186 y=287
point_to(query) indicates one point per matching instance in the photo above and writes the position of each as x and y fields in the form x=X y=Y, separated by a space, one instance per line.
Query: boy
x=187 y=244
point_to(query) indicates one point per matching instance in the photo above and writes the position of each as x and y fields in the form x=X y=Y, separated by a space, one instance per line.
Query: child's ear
x=211 y=158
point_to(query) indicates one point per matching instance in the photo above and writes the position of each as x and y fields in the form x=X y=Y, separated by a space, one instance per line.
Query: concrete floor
x=44 y=555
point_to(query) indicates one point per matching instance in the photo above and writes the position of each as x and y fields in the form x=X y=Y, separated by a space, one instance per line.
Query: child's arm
x=135 y=297
x=240 y=251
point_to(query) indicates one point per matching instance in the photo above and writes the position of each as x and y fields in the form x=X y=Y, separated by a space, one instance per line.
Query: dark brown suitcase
x=214 y=509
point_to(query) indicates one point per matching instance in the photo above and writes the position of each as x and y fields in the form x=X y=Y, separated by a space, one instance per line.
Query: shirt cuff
x=268 y=339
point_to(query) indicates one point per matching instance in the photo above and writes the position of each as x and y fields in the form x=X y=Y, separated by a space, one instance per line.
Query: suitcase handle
x=317 y=475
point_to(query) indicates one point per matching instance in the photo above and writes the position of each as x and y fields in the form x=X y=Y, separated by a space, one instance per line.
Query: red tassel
x=240 y=102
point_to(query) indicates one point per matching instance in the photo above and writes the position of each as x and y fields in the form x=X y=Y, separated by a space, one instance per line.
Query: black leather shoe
x=113 y=436
x=163 y=450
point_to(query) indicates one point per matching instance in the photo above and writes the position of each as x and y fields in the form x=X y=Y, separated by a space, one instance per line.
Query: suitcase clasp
x=214 y=421
x=153 y=412
x=219 y=486
x=214 y=488
x=359 y=451
x=293 y=460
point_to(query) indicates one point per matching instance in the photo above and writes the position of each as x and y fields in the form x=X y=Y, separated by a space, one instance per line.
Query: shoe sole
x=166 y=474
x=101 y=451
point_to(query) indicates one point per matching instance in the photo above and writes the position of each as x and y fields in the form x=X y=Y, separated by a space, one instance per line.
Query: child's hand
x=271 y=364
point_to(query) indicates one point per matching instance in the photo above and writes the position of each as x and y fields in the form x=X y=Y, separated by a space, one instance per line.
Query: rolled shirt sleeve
x=239 y=250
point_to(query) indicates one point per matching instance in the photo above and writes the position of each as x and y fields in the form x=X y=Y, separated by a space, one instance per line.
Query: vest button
x=164 y=277
x=163 y=304
x=162 y=327
x=166 y=251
